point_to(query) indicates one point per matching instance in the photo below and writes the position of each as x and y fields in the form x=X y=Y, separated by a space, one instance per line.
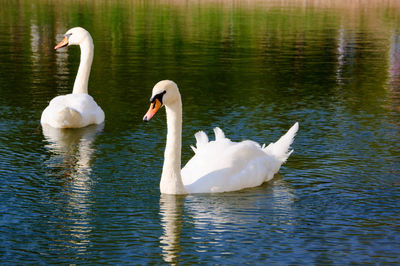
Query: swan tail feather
x=201 y=140
x=219 y=134
x=69 y=117
x=280 y=148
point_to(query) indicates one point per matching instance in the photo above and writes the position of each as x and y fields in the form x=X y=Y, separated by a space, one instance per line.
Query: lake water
x=91 y=196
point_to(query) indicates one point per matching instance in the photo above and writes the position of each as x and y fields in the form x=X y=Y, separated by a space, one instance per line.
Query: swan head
x=74 y=36
x=166 y=93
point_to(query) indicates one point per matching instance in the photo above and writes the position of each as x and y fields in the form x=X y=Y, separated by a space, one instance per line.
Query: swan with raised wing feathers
x=77 y=109
x=217 y=166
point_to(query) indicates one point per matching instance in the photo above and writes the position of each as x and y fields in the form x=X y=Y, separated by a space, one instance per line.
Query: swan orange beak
x=154 y=106
x=63 y=43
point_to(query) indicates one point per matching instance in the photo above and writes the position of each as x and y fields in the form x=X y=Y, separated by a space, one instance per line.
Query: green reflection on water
x=277 y=46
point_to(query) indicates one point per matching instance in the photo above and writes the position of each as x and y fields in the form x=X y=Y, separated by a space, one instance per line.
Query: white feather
x=78 y=109
x=223 y=165
x=219 y=165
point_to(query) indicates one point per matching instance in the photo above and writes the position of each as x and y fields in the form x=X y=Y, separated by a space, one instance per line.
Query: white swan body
x=78 y=109
x=217 y=166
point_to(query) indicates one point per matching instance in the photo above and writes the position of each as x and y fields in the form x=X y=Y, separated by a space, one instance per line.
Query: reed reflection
x=345 y=55
x=394 y=70
x=71 y=155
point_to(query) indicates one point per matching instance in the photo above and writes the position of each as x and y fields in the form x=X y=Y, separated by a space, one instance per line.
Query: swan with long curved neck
x=217 y=166
x=77 y=109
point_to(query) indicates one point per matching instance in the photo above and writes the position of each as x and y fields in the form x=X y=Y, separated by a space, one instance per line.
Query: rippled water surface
x=91 y=196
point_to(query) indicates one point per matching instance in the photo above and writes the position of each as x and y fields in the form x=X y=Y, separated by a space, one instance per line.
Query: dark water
x=91 y=196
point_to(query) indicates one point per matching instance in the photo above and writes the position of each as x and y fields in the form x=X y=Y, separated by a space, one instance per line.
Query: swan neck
x=171 y=180
x=82 y=77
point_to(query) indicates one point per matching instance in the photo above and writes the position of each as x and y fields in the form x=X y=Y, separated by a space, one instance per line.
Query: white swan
x=77 y=109
x=217 y=166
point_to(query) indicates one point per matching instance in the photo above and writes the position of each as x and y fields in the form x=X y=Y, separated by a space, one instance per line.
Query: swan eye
x=157 y=97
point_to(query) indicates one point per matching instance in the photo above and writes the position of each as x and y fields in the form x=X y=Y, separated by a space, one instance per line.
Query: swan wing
x=86 y=105
x=223 y=165
x=72 y=110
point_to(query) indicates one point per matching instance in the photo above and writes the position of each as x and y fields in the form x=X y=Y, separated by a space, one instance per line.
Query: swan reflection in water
x=171 y=219
x=214 y=218
x=71 y=152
